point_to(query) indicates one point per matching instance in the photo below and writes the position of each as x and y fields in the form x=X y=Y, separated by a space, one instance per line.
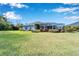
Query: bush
x=71 y=28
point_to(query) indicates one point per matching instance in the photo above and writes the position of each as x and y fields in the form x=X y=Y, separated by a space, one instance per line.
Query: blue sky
x=45 y=12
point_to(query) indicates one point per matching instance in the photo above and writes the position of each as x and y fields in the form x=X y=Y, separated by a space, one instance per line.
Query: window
x=49 y=27
x=54 y=27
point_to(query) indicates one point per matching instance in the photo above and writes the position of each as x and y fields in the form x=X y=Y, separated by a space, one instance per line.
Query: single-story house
x=45 y=27
x=29 y=28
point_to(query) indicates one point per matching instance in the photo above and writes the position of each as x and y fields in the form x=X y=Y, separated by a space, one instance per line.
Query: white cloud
x=11 y=15
x=72 y=17
x=73 y=4
x=62 y=9
x=3 y=3
x=17 y=5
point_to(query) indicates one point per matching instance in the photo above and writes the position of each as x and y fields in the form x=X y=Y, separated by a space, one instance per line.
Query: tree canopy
x=4 y=24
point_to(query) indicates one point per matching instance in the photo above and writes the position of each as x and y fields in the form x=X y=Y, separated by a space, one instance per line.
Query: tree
x=70 y=28
x=77 y=28
x=3 y=19
x=4 y=24
x=20 y=26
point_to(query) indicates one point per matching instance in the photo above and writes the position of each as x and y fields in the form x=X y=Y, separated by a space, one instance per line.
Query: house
x=29 y=27
x=45 y=27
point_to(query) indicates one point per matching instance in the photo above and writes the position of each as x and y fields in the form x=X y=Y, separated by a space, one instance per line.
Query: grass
x=10 y=42
x=24 y=43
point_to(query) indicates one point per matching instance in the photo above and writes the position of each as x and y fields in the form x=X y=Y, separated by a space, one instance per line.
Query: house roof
x=47 y=24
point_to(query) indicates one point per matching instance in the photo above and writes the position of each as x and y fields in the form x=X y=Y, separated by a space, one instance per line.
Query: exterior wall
x=28 y=28
x=33 y=28
x=43 y=27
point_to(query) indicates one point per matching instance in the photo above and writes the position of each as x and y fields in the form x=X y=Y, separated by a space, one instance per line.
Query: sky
x=66 y=13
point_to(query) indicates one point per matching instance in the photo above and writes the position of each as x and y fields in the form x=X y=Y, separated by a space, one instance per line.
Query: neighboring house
x=45 y=27
x=29 y=28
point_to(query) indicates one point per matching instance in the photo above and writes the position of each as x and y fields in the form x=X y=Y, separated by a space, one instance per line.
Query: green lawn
x=44 y=43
